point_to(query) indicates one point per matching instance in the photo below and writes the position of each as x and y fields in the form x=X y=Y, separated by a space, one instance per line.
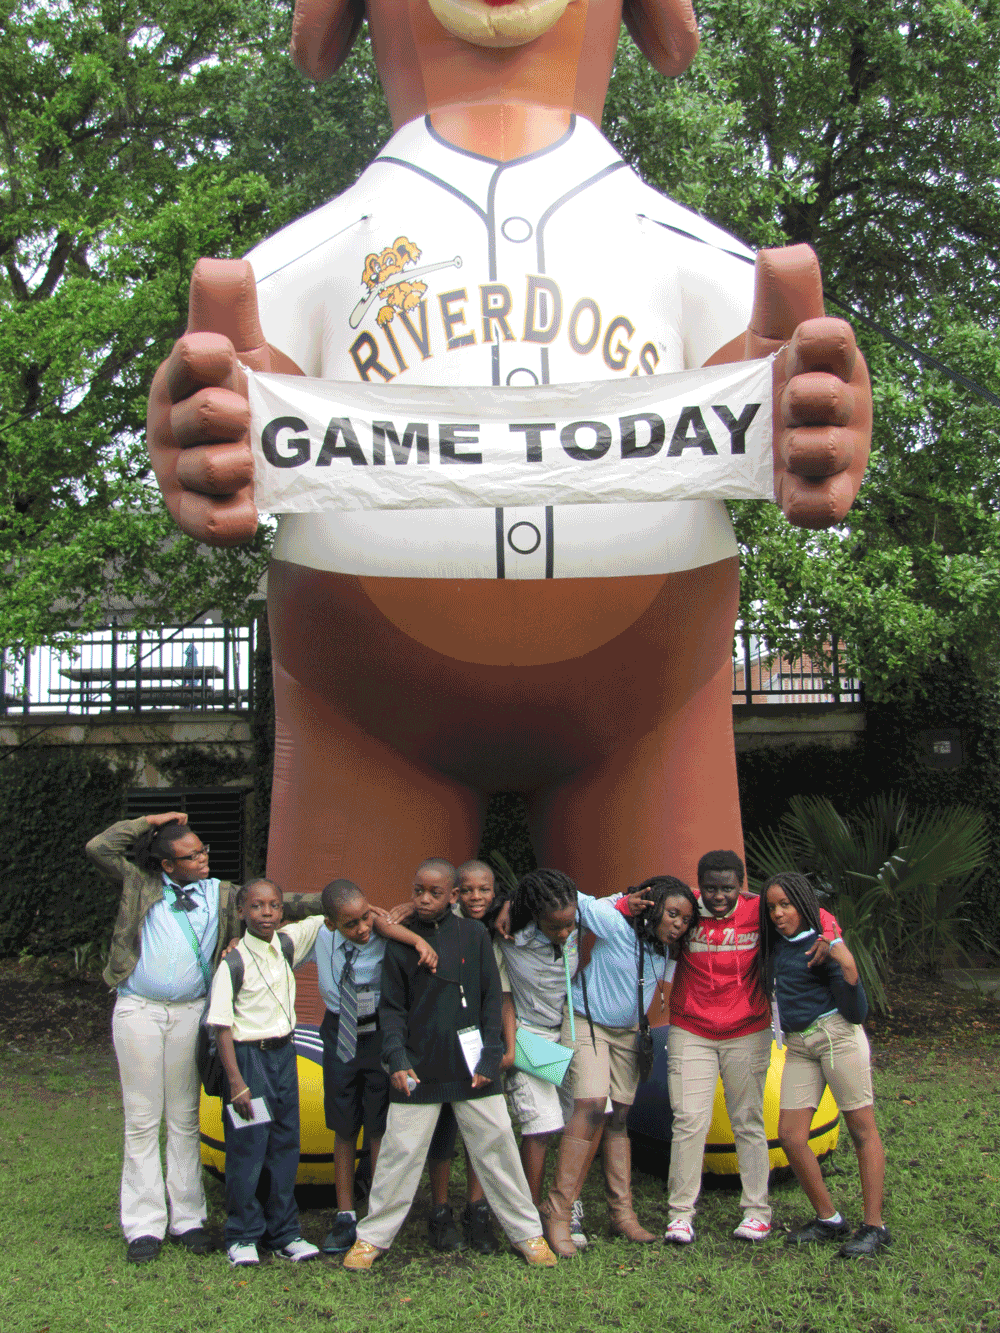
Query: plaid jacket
x=140 y=890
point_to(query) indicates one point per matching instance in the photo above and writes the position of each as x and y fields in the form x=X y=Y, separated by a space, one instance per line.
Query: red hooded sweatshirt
x=715 y=986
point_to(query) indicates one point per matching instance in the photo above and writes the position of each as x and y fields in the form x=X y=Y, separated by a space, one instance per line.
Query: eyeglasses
x=194 y=856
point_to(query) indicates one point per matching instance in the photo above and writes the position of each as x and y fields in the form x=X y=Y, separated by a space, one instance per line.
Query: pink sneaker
x=751 y=1229
x=680 y=1231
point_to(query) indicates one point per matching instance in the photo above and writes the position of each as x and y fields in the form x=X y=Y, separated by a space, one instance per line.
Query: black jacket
x=804 y=992
x=421 y=1012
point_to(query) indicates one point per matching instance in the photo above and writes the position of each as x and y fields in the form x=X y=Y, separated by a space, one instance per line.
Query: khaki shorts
x=610 y=1071
x=536 y=1106
x=834 y=1053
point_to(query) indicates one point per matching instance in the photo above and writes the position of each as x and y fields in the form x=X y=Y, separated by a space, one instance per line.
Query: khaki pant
x=155 y=1044
x=693 y=1066
x=487 y=1132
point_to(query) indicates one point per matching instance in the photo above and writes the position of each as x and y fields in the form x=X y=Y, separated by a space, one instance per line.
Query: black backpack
x=206 y=1053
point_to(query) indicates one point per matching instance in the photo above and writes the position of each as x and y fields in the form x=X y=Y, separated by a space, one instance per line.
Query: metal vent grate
x=215 y=813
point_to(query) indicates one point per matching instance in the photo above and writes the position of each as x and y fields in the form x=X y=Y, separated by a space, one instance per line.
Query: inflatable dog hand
x=822 y=394
x=198 y=421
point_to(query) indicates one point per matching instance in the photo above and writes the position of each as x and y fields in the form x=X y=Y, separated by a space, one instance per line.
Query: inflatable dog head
x=434 y=53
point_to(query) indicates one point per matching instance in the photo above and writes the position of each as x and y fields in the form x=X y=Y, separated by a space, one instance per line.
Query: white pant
x=155 y=1046
x=487 y=1132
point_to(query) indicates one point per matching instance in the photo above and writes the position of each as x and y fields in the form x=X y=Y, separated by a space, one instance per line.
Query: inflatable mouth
x=498 y=22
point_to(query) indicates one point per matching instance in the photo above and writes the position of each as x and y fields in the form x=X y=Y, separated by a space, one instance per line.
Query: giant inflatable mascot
x=580 y=655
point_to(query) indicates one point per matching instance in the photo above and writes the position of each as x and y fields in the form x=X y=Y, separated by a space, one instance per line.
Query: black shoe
x=477 y=1228
x=818 y=1230
x=867 y=1240
x=442 y=1232
x=197 y=1241
x=342 y=1234
x=143 y=1250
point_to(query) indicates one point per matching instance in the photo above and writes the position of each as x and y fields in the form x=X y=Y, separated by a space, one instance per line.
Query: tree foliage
x=870 y=130
x=134 y=138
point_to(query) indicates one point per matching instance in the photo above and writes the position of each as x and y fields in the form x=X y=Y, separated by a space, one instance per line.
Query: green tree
x=134 y=138
x=871 y=130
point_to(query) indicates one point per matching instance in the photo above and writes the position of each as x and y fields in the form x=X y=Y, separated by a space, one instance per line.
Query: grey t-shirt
x=537 y=976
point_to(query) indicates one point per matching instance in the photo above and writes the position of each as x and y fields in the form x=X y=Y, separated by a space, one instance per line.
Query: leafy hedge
x=52 y=801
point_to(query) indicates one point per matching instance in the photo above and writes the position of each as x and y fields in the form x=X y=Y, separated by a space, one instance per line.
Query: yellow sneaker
x=361 y=1256
x=536 y=1252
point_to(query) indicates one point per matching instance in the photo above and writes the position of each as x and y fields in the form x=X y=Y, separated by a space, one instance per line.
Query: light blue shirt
x=330 y=945
x=613 y=970
x=167 y=969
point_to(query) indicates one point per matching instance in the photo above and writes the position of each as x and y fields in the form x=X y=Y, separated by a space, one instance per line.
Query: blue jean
x=272 y=1075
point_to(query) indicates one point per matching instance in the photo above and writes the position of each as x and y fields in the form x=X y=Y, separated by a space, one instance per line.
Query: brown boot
x=618 y=1178
x=556 y=1211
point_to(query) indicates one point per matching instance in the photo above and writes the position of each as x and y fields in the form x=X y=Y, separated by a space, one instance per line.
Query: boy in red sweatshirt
x=719 y=1024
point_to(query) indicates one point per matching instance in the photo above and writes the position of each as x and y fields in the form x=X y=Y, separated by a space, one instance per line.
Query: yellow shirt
x=265 y=1004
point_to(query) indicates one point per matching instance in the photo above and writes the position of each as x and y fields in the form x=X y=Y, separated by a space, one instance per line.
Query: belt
x=267 y=1043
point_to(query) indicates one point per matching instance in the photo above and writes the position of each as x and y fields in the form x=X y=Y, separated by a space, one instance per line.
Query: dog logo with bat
x=389 y=277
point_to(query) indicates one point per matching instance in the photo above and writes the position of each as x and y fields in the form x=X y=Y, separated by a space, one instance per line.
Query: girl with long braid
x=820 y=1007
x=607 y=1015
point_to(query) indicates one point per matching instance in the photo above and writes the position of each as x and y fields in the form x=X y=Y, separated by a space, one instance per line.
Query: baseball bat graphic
x=361 y=309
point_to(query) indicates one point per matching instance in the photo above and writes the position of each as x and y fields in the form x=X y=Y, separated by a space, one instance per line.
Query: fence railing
x=763 y=677
x=205 y=667
x=210 y=667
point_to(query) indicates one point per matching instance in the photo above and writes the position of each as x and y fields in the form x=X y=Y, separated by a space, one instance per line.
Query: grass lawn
x=938 y=1107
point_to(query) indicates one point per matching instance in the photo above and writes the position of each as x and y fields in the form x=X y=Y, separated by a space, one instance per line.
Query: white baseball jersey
x=444 y=267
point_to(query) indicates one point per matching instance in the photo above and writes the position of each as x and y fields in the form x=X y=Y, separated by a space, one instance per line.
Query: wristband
x=838 y=940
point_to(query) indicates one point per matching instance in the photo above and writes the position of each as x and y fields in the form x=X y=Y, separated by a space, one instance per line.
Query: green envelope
x=541 y=1057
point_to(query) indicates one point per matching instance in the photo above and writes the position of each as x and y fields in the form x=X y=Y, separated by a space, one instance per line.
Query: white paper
x=261 y=1114
x=471 y=1041
x=322 y=445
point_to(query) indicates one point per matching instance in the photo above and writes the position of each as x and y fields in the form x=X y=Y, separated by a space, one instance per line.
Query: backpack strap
x=234 y=961
x=287 y=947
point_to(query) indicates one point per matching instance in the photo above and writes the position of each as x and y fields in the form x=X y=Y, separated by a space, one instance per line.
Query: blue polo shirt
x=167 y=969
x=613 y=971
x=329 y=954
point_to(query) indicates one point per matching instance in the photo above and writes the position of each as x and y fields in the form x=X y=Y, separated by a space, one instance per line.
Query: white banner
x=329 y=445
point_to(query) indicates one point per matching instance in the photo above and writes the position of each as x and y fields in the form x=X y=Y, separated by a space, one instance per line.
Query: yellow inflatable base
x=316 y=1154
x=720 y=1150
x=316 y=1159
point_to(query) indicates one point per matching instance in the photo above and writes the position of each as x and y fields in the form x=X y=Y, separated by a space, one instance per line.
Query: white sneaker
x=680 y=1231
x=752 y=1229
x=576 y=1232
x=243 y=1255
x=297 y=1250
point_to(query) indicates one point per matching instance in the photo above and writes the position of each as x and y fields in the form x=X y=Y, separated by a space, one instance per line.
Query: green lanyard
x=206 y=970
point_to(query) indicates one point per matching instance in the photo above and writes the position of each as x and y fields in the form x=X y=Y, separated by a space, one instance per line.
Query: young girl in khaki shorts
x=820 y=1008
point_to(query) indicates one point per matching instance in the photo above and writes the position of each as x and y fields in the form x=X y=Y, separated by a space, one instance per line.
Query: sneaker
x=477 y=1228
x=243 y=1254
x=360 y=1257
x=536 y=1252
x=752 y=1229
x=867 y=1240
x=143 y=1250
x=197 y=1241
x=680 y=1231
x=297 y=1251
x=342 y=1234
x=576 y=1232
x=442 y=1232
x=818 y=1230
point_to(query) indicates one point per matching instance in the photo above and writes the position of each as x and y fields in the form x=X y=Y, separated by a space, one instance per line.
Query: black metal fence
x=205 y=667
x=761 y=676
x=210 y=667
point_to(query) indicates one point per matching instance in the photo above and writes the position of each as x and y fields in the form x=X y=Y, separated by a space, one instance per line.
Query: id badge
x=367 y=1004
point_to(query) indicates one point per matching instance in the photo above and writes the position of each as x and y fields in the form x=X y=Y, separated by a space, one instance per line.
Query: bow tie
x=183 y=900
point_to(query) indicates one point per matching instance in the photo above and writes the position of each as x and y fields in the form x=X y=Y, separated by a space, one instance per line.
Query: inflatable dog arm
x=198 y=424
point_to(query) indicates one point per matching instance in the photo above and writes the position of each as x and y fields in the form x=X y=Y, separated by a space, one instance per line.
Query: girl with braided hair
x=607 y=1015
x=539 y=945
x=820 y=1005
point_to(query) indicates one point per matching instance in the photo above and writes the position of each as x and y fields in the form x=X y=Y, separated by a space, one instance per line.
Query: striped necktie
x=347 y=1032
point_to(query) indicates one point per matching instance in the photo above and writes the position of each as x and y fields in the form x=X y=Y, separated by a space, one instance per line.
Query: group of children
x=437 y=1008
x=425 y=1005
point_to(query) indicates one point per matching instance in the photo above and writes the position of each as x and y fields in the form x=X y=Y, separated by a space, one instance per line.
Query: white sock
x=834 y=1221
